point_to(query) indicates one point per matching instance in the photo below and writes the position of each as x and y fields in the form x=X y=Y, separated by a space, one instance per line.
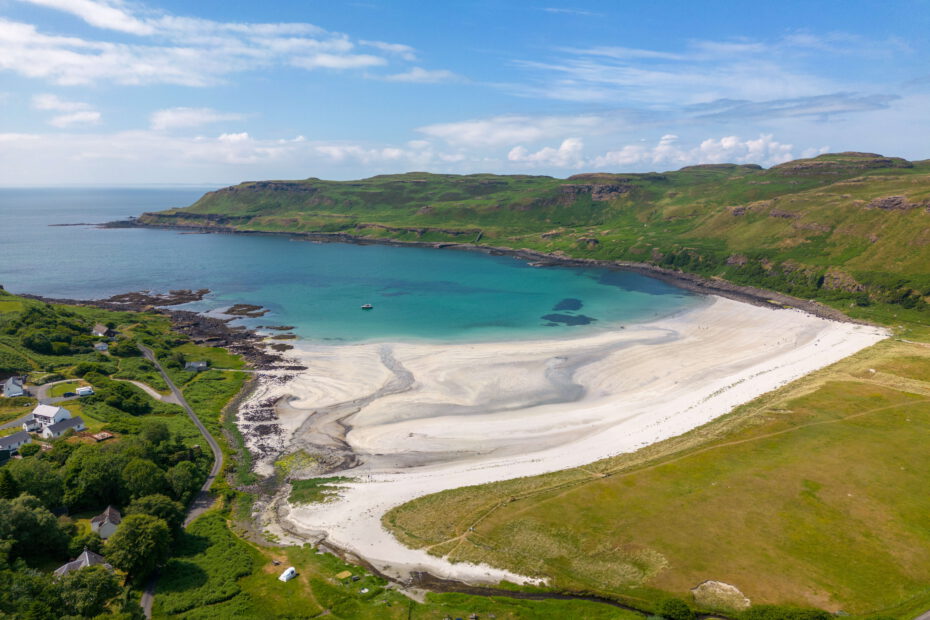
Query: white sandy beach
x=424 y=418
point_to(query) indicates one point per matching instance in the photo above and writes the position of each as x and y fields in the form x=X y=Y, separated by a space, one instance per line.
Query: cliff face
x=839 y=226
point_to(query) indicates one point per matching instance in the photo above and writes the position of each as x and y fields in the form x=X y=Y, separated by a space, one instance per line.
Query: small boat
x=367 y=306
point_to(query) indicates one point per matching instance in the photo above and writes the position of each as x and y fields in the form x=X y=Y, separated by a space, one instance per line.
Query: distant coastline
x=686 y=281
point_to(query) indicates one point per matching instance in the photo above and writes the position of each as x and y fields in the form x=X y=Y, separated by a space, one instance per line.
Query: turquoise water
x=445 y=295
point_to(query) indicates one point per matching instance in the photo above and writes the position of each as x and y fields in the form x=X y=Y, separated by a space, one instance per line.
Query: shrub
x=29 y=449
x=675 y=609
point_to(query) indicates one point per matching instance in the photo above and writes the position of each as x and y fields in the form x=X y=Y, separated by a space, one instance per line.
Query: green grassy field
x=217 y=575
x=62 y=388
x=812 y=495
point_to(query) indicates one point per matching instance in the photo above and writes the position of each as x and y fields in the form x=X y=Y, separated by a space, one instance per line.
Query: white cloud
x=172 y=118
x=108 y=15
x=509 y=130
x=158 y=157
x=233 y=138
x=76 y=112
x=666 y=153
x=86 y=117
x=764 y=150
x=333 y=61
x=748 y=69
x=404 y=51
x=567 y=155
x=53 y=102
x=180 y=50
x=423 y=76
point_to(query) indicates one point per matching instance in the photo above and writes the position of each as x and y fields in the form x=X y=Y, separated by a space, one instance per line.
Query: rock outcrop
x=719 y=595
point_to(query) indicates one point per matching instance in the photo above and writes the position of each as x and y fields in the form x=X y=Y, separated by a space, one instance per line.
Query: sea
x=51 y=245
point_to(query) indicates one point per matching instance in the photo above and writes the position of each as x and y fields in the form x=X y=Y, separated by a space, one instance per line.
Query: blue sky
x=105 y=92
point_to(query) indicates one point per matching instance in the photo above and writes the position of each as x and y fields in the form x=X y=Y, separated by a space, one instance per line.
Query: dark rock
x=891 y=203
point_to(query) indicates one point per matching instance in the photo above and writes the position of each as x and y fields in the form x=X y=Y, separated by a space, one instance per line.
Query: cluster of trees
x=118 y=394
x=87 y=593
x=45 y=329
x=87 y=476
x=150 y=476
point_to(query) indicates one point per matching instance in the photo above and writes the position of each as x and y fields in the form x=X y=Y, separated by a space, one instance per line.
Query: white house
x=13 y=387
x=101 y=346
x=106 y=522
x=60 y=428
x=101 y=331
x=45 y=415
x=84 y=390
x=289 y=574
x=15 y=441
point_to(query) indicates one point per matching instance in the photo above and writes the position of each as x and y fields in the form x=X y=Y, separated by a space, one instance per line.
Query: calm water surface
x=318 y=288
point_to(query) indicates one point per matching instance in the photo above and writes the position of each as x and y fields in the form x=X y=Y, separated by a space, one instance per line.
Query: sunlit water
x=417 y=293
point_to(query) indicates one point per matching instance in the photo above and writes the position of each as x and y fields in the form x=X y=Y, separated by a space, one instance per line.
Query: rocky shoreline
x=687 y=281
x=201 y=329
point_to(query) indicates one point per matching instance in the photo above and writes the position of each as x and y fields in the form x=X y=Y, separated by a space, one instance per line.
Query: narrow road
x=203 y=499
x=165 y=398
x=43 y=397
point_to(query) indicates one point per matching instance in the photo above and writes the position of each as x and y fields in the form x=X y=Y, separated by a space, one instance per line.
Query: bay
x=417 y=293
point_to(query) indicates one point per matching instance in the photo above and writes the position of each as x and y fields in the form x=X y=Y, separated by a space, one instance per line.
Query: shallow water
x=417 y=293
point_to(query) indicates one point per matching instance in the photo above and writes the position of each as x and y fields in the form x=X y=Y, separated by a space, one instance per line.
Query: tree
x=92 y=476
x=155 y=432
x=89 y=540
x=85 y=592
x=143 y=477
x=31 y=527
x=28 y=593
x=140 y=544
x=29 y=449
x=8 y=487
x=675 y=609
x=125 y=348
x=161 y=506
x=38 y=478
x=184 y=480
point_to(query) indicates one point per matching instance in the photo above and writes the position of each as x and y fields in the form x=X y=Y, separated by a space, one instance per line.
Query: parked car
x=69 y=394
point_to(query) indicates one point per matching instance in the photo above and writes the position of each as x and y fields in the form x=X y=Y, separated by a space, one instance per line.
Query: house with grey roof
x=87 y=558
x=44 y=415
x=15 y=441
x=106 y=522
x=13 y=387
x=60 y=428
x=101 y=346
x=102 y=331
x=196 y=366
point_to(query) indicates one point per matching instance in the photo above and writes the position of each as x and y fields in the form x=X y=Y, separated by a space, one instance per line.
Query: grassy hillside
x=852 y=229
